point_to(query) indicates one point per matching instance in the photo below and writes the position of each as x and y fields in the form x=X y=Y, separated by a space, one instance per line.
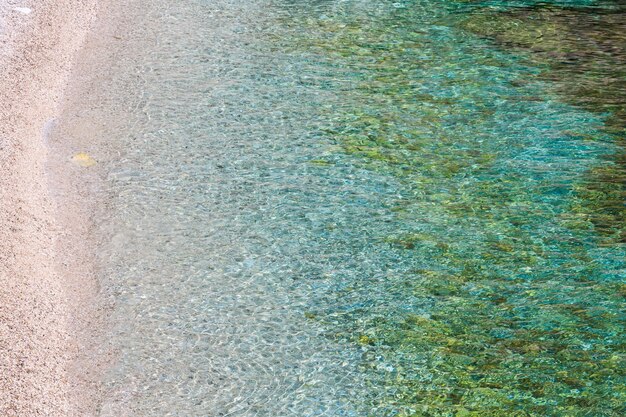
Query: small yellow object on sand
x=83 y=159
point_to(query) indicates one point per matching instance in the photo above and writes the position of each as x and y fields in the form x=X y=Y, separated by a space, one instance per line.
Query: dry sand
x=44 y=301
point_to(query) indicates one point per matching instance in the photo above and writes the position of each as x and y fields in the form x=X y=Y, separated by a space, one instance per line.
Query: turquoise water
x=359 y=208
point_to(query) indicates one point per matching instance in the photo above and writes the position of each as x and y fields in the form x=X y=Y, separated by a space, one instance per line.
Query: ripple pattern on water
x=346 y=208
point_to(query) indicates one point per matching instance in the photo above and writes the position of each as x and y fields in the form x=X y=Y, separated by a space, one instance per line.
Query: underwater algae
x=513 y=210
x=582 y=51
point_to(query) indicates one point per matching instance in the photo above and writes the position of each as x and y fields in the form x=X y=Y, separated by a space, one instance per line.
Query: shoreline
x=41 y=306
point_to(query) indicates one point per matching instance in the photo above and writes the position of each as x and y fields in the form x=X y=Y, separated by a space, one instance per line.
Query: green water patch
x=509 y=208
x=582 y=52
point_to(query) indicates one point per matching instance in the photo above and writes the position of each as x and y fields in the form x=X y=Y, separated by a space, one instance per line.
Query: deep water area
x=364 y=208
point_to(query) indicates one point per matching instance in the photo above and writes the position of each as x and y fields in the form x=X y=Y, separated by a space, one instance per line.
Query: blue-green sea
x=360 y=208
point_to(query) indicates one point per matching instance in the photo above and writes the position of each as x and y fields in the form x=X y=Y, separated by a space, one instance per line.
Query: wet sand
x=43 y=304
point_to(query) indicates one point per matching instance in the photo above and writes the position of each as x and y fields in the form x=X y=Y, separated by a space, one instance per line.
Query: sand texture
x=38 y=41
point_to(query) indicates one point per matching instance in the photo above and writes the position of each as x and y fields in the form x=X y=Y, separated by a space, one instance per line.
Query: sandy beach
x=38 y=315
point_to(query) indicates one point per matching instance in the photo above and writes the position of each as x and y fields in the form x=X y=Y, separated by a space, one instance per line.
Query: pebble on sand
x=24 y=10
x=83 y=159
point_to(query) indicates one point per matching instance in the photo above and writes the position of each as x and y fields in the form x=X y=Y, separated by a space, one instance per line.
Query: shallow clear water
x=359 y=208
